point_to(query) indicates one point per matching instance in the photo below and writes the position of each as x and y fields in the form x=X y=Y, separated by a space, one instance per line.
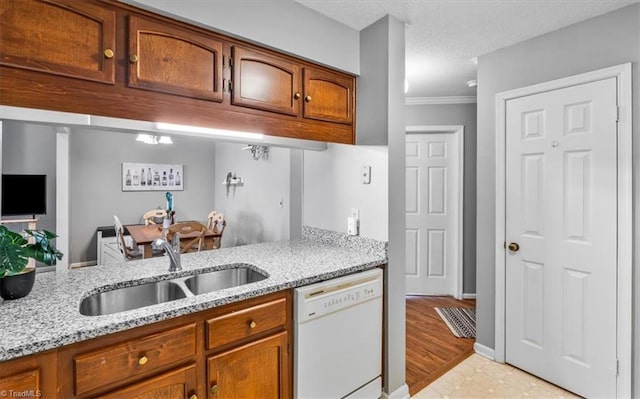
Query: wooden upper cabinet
x=328 y=96
x=173 y=60
x=265 y=82
x=61 y=37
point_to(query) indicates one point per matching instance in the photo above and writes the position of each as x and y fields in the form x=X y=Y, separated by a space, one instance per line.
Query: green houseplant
x=16 y=280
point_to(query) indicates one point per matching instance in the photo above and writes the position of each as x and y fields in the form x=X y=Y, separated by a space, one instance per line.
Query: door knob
x=513 y=246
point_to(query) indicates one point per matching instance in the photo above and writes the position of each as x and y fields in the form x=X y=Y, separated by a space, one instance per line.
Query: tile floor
x=478 y=377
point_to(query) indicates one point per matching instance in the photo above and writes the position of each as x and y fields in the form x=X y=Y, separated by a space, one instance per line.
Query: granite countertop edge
x=49 y=318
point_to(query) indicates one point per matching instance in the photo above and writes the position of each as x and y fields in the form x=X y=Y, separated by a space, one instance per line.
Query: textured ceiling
x=442 y=36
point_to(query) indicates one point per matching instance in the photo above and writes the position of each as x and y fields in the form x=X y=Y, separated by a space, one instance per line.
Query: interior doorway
x=434 y=210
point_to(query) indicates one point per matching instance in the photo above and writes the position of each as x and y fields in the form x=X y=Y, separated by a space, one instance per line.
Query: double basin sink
x=138 y=296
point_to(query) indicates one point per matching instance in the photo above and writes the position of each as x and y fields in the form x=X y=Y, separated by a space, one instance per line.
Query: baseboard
x=468 y=296
x=78 y=265
x=484 y=351
x=400 y=393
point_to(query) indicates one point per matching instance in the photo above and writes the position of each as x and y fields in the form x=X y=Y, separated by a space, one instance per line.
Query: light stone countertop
x=49 y=317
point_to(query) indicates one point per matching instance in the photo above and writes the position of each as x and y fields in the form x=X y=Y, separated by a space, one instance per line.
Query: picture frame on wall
x=152 y=177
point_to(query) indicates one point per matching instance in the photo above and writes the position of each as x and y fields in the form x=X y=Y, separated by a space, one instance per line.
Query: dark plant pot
x=17 y=286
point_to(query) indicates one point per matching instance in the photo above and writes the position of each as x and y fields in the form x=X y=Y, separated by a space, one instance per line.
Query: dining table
x=145 y=235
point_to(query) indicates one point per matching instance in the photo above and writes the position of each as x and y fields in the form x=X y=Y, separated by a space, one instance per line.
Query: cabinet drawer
x=136 y=357
x=247 y=322
x=28 y=381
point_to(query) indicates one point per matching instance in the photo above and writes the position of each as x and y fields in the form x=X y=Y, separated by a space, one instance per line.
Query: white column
x=62 y=196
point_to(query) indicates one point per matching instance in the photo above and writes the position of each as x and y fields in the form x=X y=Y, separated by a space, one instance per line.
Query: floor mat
x=461 y=321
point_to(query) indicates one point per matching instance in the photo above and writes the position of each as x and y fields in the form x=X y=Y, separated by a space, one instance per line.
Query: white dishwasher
x=338 y=338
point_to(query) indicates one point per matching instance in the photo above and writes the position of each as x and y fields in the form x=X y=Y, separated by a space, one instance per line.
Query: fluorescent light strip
x=208 y=131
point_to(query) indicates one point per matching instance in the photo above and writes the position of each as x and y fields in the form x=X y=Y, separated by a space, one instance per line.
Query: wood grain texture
x=432 y=349
x=103 y=367
x=328 y=96
x=246 y=322
x=176 y=384
x=255 y=370
x=30 y=374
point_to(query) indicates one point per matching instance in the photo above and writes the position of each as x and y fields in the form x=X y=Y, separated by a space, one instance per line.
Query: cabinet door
x=61 y=37
x=176 y=384
x=259 y=369
x=32 y=376
x=265 y=82
x=172 y=60
x=328 y=96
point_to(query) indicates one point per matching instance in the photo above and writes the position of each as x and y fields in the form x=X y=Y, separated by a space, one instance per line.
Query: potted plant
x=16 y=280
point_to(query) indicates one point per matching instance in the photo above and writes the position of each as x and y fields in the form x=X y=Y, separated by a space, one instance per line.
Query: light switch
x=365 y=174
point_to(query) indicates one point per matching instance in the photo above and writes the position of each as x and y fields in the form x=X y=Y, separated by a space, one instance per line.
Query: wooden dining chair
x=153 y=215
x=217 y=223
x=127 y=247
x=188 y=244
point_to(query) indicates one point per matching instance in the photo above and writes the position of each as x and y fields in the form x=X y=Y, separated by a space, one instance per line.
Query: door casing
x=458 y=132
x=624 y=327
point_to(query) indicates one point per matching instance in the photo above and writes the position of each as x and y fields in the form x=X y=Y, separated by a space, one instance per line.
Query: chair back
x=191 y=235
x=151 y=216
x=126 y=251
x=217 y=223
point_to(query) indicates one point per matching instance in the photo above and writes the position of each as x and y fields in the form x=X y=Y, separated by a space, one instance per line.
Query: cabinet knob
x=194 y=396
x=297 y=96
x=214 y=389
x=252 y=324
x=142 y=360
x=307 y=98
x=133 y=58
x=108 y=53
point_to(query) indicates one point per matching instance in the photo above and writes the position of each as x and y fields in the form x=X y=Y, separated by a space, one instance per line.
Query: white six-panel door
x=561 y=212
x=431 y=213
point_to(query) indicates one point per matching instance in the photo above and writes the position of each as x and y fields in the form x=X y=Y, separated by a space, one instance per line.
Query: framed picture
x=152 y=177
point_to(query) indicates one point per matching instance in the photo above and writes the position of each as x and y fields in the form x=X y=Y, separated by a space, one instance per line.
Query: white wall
x=95 y=165
x=252 y=210
x=331 y=187
x=31 y=149
x=600 y=42
x=281 y=24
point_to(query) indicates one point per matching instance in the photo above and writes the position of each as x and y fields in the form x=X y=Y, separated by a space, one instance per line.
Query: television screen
x=24 y=195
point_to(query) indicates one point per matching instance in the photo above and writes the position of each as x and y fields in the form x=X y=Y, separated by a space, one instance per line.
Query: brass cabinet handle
x=194 y=396
x=108 y=53
x=214 y=389
x=513 y=246
x=142 y=360
x=297 y=96
x=252 y=324
x=307 y=98
x=133 y=58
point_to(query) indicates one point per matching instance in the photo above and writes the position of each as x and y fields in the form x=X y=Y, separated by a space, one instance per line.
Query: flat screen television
x=24 y=195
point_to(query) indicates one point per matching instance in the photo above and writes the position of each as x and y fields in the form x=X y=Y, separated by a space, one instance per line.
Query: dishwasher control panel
x=331 y=296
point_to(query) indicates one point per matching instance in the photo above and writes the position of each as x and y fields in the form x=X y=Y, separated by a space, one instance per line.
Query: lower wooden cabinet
x=240 y=350
x=258 y=369
x=29 y=377
x=176 y=384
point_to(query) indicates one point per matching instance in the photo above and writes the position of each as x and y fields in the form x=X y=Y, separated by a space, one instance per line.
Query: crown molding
x=440 y=100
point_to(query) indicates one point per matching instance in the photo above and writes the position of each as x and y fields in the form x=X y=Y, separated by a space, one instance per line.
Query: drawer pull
x=108 y=53
x=214 y=389
x=142 y=360
x=194 y=396
x=133 y=58
x=252 y=324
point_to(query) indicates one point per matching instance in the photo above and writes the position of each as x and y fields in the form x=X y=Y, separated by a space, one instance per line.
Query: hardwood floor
x=432 y=349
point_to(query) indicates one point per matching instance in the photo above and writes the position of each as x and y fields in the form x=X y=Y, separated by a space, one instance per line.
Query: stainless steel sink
x=129 y=298
x=138 y=296
x=221 y=279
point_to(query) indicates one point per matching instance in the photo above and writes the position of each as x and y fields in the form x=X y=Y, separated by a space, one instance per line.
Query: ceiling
x=442 y=36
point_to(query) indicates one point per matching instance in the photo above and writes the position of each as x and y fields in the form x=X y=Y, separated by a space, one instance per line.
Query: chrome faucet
x=173 y=250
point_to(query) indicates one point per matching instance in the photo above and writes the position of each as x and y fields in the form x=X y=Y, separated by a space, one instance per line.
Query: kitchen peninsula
x=174 y=341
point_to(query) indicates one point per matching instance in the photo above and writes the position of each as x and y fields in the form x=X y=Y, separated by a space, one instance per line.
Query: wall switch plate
x=365 y=174
x=352 y=226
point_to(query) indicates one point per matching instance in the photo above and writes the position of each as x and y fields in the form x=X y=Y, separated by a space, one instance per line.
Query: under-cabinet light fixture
x=208 y=131
x=151 y=139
